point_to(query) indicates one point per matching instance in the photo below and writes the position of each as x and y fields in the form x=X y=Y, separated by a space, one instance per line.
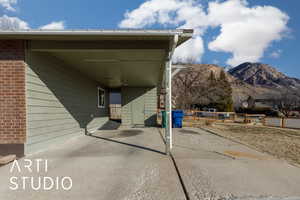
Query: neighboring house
x=55 y=84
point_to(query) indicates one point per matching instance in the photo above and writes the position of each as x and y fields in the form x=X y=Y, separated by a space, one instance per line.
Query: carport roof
x=114 y=58
x=91 y=34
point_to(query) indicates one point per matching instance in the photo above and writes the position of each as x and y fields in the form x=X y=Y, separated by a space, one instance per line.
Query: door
x=138 y=110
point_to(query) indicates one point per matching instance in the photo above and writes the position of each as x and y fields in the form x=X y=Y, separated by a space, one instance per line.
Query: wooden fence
x=197 y=115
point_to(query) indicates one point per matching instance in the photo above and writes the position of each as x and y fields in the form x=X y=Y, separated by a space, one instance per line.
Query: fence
x=282 y=122
x=253 y=118
x=196 y=115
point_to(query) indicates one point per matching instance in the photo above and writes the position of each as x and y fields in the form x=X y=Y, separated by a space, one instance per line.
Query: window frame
x=98 y=103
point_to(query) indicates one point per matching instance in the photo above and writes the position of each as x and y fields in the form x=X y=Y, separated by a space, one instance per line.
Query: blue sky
x=102 y=14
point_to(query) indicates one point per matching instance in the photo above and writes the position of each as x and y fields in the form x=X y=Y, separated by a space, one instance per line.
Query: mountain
x=264 y=75
x=258 y=80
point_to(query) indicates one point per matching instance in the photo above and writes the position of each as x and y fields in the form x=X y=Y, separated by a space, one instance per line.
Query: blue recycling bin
x=177 y=117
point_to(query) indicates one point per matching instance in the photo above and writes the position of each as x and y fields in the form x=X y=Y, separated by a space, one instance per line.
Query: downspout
x=168 y=103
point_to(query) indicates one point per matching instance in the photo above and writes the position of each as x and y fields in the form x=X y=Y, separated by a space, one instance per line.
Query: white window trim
x=99 y=106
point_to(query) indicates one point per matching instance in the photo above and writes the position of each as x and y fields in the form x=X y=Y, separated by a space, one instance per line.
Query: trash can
x=177 y=116
x=163 y=120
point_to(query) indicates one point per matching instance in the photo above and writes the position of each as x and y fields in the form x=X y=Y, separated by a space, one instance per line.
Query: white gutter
x=168 y=104
x=99 y=32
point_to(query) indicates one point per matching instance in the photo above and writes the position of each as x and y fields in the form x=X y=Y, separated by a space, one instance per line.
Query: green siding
x=61 y=102
x=151 y=107
x=129 y=95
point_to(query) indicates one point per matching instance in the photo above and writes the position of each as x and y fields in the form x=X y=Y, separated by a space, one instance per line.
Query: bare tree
x=184 y=84
x=194 y=86
x=287 y=102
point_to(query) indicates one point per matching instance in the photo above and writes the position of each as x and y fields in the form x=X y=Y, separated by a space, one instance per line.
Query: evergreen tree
x=212 y=79
x=225 y=102
x=223 y=76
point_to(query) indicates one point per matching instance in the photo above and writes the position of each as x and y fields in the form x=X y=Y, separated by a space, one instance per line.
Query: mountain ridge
x=261 y=81
x=263 y=75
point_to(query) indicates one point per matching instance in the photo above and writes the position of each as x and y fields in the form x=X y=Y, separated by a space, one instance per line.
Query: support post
x=168 y=100
x=168 y=107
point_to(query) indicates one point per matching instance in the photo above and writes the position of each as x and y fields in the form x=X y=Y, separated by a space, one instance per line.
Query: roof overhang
x=131 y=34
x=114 y=58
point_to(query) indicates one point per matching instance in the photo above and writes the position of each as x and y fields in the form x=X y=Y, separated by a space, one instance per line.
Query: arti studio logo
x=37 y=168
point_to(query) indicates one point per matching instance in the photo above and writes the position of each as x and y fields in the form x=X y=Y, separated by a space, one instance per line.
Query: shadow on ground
x=123 y=134
x=111 y=125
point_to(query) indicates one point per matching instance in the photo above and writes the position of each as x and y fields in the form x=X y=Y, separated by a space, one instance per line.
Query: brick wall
x=12 y=92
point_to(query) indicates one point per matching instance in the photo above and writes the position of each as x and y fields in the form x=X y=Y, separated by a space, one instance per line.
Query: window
x=101 y=98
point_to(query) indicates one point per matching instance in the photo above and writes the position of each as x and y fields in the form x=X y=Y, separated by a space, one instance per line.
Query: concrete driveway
x=131 y=165
x=213 y=166
x=121 y=164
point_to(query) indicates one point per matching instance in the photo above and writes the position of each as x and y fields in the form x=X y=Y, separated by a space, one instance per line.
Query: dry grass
x=282 y=143
x=209 y=122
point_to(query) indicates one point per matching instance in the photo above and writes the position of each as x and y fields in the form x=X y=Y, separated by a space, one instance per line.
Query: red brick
x=12 y=92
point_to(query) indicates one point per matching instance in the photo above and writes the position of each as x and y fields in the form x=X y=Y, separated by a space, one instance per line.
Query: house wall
x=12 y=97
x=61 y=102
x=150 y=104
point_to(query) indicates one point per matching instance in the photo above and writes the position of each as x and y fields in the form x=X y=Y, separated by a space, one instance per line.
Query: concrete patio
x=131 y=164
